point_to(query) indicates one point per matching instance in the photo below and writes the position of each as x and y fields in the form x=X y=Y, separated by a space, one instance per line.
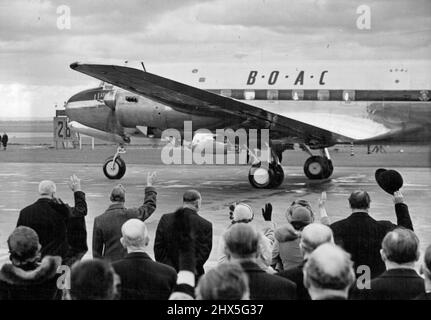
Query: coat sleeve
x=147 y=208
x=204 y=247
x=337 y=231
x=275 y=254
x=97 y=241
x=159 y=242
x=20 y=221
x=80 y=208
x=221 y=255
x=403 y=216
x=268 y=230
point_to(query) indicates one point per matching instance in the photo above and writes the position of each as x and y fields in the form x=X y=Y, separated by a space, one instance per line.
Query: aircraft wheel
x=329 y=169
x=262 y=177
x=114 y=170
x=318 y=167
x=279 y=176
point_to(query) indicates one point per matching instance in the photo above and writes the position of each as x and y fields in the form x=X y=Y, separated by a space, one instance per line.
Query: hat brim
x=389 y=180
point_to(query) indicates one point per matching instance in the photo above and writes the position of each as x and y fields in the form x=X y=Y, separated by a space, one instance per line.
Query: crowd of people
x=307 y=257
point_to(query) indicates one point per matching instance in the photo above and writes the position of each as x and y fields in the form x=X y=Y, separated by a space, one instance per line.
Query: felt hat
x=242 y=212
x=302 y=214
x=389 y=180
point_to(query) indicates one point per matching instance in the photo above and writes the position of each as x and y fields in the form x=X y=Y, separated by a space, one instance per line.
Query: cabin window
x=226 y=92
x=272 y=94
x=260 y=94
x=285 y=95
x=249 y=95
x=237 y=94
x=297 y=94
x=348 y=95
x=323 y=95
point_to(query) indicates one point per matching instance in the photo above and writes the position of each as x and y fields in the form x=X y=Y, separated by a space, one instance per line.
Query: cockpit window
x=131 y=99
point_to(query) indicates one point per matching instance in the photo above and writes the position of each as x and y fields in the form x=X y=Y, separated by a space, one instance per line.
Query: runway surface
x=219 y=185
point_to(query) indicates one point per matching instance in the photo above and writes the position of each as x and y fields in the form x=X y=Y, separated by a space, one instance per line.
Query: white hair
x=47 y=188
x=135 y=234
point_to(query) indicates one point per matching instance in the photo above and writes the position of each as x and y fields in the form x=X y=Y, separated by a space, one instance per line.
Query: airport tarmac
x=219 y=185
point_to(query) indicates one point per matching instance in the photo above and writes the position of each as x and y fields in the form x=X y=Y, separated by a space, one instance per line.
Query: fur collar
x=46 y=270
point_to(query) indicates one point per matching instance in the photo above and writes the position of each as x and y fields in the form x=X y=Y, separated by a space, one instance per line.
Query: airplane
x=313 y=104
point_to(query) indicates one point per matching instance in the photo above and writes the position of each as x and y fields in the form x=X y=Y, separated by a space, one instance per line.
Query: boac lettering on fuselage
x=299 y=78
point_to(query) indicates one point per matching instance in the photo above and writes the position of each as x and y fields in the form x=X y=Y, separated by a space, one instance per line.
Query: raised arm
x=150 y=200
x=324 y=219
x=402 y=211
x=268 y=227
x=80 y=208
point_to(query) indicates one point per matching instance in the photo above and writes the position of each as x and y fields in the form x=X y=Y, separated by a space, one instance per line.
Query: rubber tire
x=329 y=169
x=276 y=176
x=324 y=163
x=279 y=176
x=122 y=168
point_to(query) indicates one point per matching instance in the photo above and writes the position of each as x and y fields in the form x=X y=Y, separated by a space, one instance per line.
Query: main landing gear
x=318 y=167
x=115 y=167
x=266 y=175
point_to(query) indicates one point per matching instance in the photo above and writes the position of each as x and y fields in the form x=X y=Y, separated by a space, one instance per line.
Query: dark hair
x=359 y=200
x=427 y=258
x=242 y=240
x=23 y=244
x=92 y=280
x=401 y=246
x=191 y=196
x=225 y=282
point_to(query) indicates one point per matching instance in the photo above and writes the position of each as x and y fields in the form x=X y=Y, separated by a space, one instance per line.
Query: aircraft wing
x=325 y=129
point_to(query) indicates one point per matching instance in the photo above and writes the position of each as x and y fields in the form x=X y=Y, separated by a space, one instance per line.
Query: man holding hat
x=361 y=235
x=107 y=226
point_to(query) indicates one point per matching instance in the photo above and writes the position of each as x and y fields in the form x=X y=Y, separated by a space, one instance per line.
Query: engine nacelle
x=110 y=99
x=99 y=134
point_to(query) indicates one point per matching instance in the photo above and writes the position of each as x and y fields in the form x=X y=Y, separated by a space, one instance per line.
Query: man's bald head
x=329 y=267
x=360 y=200
x=314 y=235
x=47 y=188
x=135 y=235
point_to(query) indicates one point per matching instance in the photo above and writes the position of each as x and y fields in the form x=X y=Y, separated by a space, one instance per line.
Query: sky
x=39 y=39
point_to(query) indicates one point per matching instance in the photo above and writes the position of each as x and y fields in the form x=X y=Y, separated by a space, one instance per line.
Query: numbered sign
x=61 y=130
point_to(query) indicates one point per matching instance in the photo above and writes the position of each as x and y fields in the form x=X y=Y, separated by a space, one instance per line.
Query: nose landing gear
x=115 y=167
